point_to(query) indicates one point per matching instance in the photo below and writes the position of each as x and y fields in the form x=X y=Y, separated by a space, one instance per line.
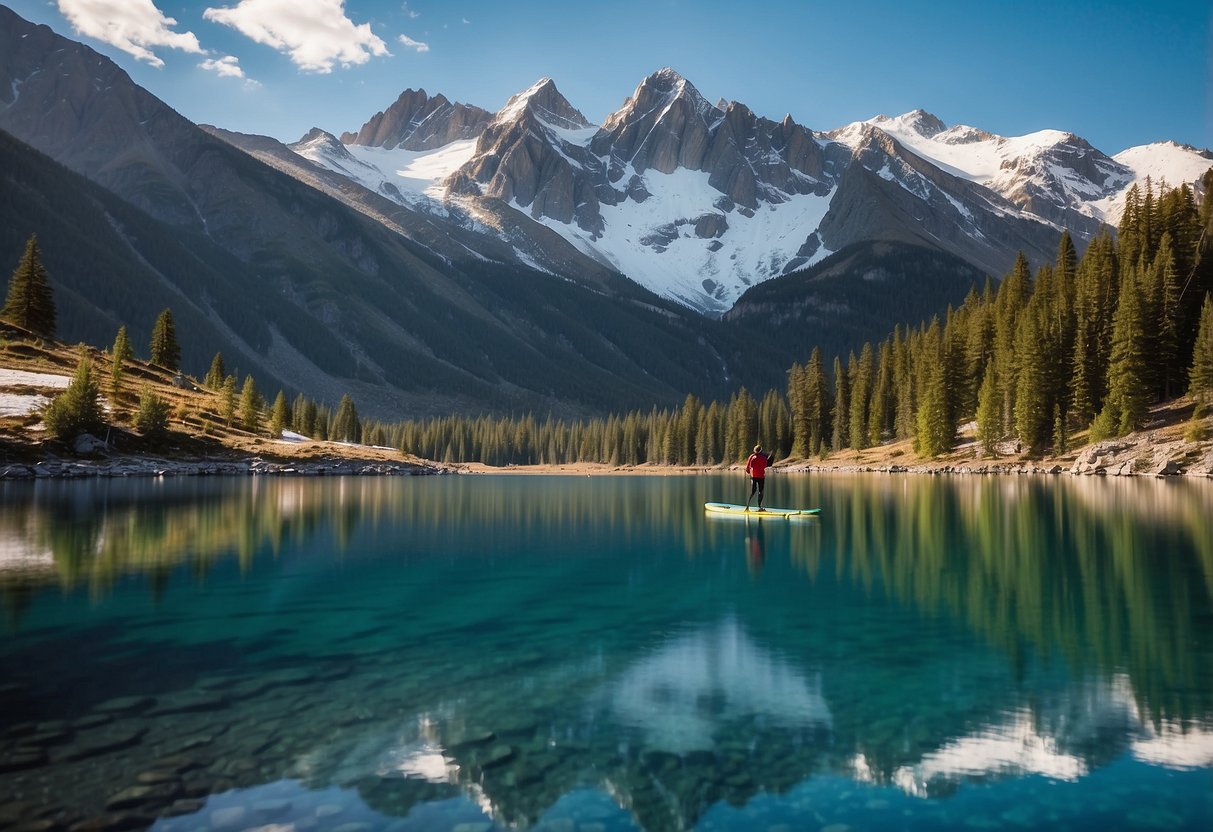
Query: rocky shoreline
x=1144 y=455
x=256 y=466
x=1137 y=455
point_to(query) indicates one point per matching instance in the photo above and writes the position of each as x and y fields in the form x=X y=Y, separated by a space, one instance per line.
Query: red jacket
x=756 y=466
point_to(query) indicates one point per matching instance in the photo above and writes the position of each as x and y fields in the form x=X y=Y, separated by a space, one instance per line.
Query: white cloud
x=134 y=26
x=228 y=66
x=315 y=33
x=466 y=21
x=414 y=44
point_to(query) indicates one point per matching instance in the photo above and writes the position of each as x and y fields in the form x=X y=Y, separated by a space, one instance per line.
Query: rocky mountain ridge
x=699 y=201
x=415 y=121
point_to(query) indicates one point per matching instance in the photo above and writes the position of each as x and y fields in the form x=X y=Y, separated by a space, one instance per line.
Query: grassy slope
x=196 y=428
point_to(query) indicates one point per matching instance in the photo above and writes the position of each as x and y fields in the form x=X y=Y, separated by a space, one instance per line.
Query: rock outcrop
x=418 y=122
x=537 y=153
x=525 y=156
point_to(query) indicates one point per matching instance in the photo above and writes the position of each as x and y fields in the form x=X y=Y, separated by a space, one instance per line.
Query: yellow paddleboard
x=730 y=508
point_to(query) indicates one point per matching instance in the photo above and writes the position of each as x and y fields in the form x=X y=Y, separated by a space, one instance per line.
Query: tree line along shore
x=1084 y=350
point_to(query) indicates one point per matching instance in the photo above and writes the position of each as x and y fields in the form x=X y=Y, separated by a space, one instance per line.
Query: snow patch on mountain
x=410 y=177
x=658 y=242
x=1163 y=162
x=1050 y=161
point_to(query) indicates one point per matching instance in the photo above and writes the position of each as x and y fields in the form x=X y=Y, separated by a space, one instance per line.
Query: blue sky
x=1118 y=74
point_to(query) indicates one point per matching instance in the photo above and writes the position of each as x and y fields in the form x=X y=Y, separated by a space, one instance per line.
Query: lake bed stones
x=125 y=705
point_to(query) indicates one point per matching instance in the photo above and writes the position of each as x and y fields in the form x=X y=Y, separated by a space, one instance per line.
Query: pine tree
x=216 y=374
x=903 y=385
x=1200 y=378
x=152 y=416
x=989 y=417
x=1126 y=404
x=122 y=346
x=860 y=374
x=879 y=414
x=817 y=395
x=1031 y=390
x=165 y=350
x=346 y=426
x=1093 y=305
x=30 y=302
x=1167 y=308
x=77 y=409
x=227 y=401
x=280 y=416
x=798 y=405
x=841 y=422
x=936 y=433
x=1011 y=301
x=250 y=406
x=120 y=354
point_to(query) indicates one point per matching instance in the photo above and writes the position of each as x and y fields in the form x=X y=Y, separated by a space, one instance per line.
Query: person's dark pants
x=756 y=486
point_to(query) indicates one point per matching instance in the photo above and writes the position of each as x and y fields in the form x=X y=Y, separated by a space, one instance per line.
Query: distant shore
x=1148 y=453
x=200 y=443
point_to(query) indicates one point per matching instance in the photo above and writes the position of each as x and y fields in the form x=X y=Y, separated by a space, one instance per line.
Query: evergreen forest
x=1085 y=344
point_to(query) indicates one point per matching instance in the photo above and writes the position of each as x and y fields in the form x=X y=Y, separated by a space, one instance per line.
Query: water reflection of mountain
x=684 y=691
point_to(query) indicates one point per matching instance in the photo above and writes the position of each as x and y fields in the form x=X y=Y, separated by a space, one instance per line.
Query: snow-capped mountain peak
x=546 y=103
x=919 y=122
x=657 y=97
x=324 y=149
x=698 y=201
x=419 y=122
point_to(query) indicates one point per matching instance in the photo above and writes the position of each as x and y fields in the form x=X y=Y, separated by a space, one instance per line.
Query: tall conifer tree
x=839 y=435
x=164 y=347
x=1127 y=401
x=30 y=302
x=216 y=374
x=120 y=354
x=250 y=406
x=1200 y=379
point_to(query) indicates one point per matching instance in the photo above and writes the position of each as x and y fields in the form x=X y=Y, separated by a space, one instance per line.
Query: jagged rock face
x=894 y=194
x=525 y=156
x=1052 y=183
x=418 y=122
x=663 y=126
x=667 y=125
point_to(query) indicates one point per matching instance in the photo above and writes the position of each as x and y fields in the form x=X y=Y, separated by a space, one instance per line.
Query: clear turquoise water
x=573 y=653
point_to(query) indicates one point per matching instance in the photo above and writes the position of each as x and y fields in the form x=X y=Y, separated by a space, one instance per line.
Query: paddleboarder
x=756 y=468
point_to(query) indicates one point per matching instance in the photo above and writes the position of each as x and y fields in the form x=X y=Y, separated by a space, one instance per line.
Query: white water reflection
x=686 y=688
x=21 y=555
x=1174 y=746
x=1015 y=747
x=1055 y=741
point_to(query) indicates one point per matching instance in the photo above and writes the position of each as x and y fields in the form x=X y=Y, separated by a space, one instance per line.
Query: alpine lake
x=588 y=654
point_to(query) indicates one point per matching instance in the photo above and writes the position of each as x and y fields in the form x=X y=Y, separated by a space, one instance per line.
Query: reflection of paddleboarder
x=756 y=467
x=755 y=547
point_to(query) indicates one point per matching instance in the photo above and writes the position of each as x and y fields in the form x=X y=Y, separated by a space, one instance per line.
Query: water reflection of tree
x=97 y=532
x=1113 y=576
x=94 y=535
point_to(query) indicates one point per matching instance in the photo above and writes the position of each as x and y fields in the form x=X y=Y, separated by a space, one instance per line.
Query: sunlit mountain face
x=553 y=651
